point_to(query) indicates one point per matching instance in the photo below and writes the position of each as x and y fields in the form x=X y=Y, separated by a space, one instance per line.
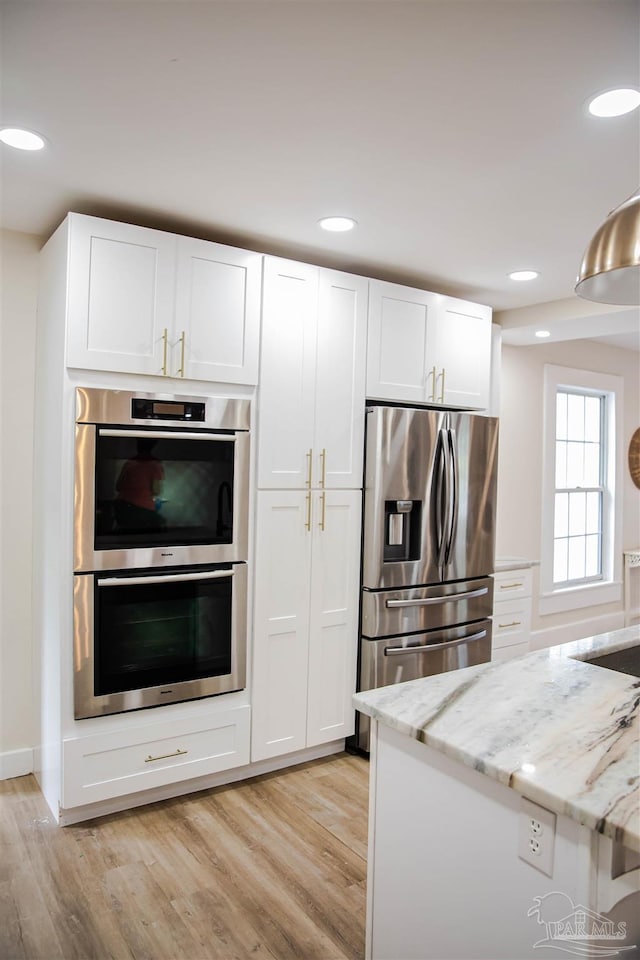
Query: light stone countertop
x=514 y=563
x=559 y=731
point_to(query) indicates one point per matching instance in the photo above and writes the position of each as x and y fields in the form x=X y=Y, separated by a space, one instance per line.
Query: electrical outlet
x=536 y=836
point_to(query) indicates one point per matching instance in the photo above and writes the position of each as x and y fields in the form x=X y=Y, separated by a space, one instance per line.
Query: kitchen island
x=505 y=802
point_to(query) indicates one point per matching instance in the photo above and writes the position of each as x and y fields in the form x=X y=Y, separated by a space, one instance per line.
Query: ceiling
x=454 y=132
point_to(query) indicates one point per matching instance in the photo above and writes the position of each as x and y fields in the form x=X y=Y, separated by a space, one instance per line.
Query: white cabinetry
x=310 y=448
x=312 y=377
x=511 y=613
x=149 y=302
x=427 y=348
x=306 y=609
x=133 y=757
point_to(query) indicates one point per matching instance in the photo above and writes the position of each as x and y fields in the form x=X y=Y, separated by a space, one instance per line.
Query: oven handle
x=167 y=578
x=165 y=434
x=398 y=651
x=425 y=601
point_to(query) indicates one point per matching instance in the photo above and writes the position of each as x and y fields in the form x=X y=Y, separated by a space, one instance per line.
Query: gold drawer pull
x=514 y=623
x=165 y=756
x=510 y=586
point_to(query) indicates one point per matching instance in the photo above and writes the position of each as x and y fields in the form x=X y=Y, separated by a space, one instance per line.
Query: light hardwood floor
x=268 y=869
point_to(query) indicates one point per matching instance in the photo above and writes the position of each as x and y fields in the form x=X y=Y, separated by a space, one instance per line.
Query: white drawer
x=125 y=761
x=511 y=622
x=507 y=653
x=510 y=584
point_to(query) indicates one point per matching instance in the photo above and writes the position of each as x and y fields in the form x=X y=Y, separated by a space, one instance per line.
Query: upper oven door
x=148 y=497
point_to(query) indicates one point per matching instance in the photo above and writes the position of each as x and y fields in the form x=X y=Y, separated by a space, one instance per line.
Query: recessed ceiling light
x=21 y=139
x=337 y=224
x=614 y=103
x=543 y=333
x=522 y=275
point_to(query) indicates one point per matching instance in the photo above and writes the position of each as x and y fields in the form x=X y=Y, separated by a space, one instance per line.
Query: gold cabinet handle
x=323 y=501
x=323 y=465
x=432 y=374
x=165 y=340
x=180 y=371
x=166 y=756
x=309 y=456
x=441 y=397
x=308 y=523
x=510 y=586
x=514 y=623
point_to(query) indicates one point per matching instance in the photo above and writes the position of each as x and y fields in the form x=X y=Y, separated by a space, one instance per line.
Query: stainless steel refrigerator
x=428 y=545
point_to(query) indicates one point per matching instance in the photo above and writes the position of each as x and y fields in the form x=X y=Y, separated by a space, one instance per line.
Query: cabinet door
x=340 y=380
x=333 y=642
x=217 y=313
x=459 y=346
x=397 y=343
x=281 y=626
x=121 y=289
x=287 y=374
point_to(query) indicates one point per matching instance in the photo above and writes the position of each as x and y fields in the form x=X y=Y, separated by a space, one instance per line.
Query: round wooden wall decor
x=634 y=457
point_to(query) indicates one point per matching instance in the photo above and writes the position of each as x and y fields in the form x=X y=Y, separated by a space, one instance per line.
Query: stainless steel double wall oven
x=160 y=548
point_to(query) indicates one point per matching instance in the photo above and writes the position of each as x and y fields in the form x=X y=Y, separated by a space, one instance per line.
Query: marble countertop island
x=562 y=732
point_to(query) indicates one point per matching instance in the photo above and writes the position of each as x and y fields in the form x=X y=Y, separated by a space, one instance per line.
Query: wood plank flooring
x=269 y=869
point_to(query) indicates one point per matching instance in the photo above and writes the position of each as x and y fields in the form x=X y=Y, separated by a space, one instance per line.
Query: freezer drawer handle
x=399 y=651
x=426 y=601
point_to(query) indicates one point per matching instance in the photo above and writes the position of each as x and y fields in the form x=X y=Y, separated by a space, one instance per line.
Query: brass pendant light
x=610 y=269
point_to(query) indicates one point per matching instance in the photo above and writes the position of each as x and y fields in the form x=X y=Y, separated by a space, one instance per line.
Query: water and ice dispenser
x=402 y=529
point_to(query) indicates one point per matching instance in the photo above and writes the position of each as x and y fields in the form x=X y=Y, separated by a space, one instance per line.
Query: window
x=581 y=527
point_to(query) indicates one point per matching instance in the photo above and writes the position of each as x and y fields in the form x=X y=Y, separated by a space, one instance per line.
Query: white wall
x=19 y=265
x=519 y=513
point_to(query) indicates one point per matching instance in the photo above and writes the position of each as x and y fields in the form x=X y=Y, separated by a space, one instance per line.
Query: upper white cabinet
x=427 y=348
x=217 y=312
x=145 y=301
x=312 y=377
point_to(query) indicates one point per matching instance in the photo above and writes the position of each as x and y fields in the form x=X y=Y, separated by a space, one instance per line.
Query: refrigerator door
x=429 y=505
x=469 y=542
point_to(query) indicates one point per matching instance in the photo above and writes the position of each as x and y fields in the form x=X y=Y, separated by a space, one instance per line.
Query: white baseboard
x=16 y=763
x=576 y=631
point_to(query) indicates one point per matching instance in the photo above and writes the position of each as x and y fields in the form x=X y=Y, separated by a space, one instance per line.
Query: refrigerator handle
x=452 y=494
x=442 y=496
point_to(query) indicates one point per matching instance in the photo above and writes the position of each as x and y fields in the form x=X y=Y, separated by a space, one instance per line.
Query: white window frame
x=555 y=599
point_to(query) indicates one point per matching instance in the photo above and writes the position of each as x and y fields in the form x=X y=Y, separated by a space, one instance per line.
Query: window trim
x=609 y=588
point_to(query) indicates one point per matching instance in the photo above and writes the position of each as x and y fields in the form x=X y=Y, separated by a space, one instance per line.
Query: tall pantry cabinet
x=310 y=448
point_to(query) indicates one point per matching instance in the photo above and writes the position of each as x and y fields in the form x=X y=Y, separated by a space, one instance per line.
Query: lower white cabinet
x=511 y=613
x=306 y=619
x=133 y=758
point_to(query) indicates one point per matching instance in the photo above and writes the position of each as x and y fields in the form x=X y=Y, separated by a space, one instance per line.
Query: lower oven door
x=148 y=639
